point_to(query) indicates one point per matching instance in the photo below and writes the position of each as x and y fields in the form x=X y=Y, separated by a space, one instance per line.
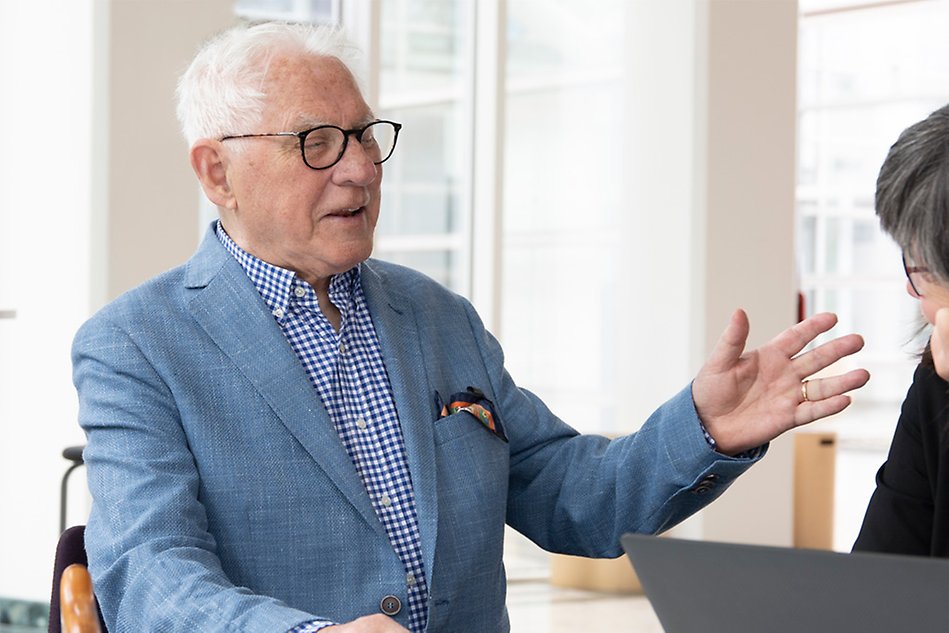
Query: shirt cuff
x=752 y=453
x=312 y=626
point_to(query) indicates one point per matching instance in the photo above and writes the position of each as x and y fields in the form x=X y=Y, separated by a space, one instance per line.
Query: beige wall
x=711 y=127
x=751 y=63
x=150 y=215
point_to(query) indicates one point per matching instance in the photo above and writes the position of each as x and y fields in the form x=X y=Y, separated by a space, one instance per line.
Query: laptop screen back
x=707 y=587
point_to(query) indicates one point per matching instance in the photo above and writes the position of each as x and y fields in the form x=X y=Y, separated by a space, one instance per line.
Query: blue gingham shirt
x=347 y=371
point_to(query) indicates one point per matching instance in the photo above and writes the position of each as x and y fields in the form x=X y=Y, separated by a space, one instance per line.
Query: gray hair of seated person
x=912 y=194
x=221 y=92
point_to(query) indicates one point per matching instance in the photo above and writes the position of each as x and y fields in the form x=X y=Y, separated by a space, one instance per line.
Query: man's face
x=316 y=223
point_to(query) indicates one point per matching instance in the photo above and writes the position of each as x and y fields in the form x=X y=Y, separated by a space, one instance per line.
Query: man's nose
x=356 y=166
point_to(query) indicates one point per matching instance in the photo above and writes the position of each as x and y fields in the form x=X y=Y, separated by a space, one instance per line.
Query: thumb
x=731 y=344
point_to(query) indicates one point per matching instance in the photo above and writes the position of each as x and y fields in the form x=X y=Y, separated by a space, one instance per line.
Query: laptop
x=710 y=587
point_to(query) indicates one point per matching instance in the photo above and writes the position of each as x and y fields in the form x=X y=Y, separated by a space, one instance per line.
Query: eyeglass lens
x=918 y=276
x=324 y=146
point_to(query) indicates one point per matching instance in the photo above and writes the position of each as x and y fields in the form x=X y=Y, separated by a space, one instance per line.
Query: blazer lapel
x=226 y=304
x=394 y=319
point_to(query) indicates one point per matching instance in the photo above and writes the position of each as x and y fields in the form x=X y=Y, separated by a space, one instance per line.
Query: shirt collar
x=279 y=287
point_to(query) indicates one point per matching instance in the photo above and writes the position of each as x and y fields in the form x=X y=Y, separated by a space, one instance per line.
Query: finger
x=808 y=412
x=823 y=388
x=731 y=344
x=827 y=354
x=795 y=338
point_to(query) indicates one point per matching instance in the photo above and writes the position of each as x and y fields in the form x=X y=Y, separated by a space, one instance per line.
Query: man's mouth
x=347 y=213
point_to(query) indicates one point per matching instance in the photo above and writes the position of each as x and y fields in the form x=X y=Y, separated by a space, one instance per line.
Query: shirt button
x=278 y=312
x=390 y=605
x=385 y=500
x=410 y=579
x=361 y=423
x=299 y=291
x=342 y=348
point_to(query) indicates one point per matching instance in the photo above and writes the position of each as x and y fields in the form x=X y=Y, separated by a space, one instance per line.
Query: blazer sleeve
x=152 y=558
x=900 y=516
x=578 y=493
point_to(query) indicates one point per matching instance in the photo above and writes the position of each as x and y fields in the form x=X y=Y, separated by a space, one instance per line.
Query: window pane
x=877 y=54
x=561 y=237
x=864 y=76
x=425 y=84
x=548 y=141
x=422 y=44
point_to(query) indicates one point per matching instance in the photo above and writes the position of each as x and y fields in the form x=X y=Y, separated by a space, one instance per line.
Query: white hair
x=221 y=92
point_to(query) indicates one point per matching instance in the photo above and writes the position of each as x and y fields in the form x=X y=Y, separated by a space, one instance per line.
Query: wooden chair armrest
x=77 y=602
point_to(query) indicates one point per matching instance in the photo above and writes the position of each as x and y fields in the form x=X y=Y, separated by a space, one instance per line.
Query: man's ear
x=210 y=165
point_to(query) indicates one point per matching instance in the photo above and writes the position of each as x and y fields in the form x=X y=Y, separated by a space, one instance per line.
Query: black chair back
x=70 y=549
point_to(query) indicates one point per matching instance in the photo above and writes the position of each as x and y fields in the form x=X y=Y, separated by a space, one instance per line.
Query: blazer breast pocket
x=473 y=467
x=461 y=437
x=458 y=425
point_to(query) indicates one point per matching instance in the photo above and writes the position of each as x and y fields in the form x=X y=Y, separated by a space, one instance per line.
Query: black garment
x=909 y=510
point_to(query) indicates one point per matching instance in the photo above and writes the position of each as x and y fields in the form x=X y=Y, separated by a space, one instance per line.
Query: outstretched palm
x=747 y=399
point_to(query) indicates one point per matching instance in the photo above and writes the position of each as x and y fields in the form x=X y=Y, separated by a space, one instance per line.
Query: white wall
x=45 y=206
x=95 y=196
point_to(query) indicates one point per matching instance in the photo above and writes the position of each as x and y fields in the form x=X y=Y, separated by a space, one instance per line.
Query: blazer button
x=707 y=483
x=390 y=605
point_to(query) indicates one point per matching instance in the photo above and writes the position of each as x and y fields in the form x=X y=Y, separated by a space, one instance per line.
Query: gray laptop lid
x=707 y=587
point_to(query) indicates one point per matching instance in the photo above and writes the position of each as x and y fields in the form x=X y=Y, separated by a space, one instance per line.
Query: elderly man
x=284 y=434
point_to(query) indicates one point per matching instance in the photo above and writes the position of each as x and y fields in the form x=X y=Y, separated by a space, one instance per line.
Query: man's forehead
x=309 y=91
x=329 y=73
x=306 y=121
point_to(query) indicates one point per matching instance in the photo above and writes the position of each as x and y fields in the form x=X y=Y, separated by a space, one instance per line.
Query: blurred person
x=909 y=510
x=286 y=434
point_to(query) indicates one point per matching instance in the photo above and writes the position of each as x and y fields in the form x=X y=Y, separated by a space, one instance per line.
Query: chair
x=73 y=454
x=72 y=605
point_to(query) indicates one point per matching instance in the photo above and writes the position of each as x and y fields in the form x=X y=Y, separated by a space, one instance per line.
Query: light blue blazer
x=224 y=500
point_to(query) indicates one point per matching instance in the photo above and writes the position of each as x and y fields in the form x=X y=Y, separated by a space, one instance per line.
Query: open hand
x=746 y=399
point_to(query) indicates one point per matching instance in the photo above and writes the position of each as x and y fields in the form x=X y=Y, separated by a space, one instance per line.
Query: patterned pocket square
x=476 y=404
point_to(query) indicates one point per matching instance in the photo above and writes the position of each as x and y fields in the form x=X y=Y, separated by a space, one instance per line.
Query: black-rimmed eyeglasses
x=918 y=277
x=323 y=146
